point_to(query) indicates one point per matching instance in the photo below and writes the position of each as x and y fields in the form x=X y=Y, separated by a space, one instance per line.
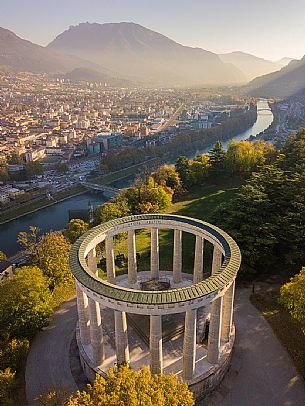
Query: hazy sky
x=267 y=28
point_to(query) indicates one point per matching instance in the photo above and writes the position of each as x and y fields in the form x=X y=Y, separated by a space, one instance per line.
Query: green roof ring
x=212 y=285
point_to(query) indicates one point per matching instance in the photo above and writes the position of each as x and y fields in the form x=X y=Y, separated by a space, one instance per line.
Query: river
x=56 y=217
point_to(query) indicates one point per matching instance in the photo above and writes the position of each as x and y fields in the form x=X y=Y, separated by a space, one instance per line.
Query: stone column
x=155 y=342
x=110 y=265
x=83 y=316
x=198 y=260
x=227 y=313
x=92 y=261
x=154 y=253
x=177 y=258
x=214 y=331
x=189 y=344
x=96 y=332
x=132 y=257
x=217 y=260
x=121 y=338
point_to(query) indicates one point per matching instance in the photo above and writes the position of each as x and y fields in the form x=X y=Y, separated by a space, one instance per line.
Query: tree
x=14 y=159
x=155 y=199
x=127 y=387
x=199 y=169
x=3 y=256
x=166 y=175
x=52 y=256
x=26 y=303
x=13 y=353
x=183 y=169
x=244 y=157
x=29 y=240
x=291 y=231
x=115 y=208
x=33 y=168
x=293 y=298
x=7 y=382
x=61 y=167
x=4 y=173
x=74 y=229
x=218 y=156
x=252 y=218
x=267 y=217
x=148 y=198
x=294 y=152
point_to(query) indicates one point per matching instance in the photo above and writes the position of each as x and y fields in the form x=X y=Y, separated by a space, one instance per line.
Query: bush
x=293 y=296
x=7 y=378
x=26 y=303
x=13 y=354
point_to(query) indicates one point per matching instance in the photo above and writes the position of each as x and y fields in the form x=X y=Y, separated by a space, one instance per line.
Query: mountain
x=251 y=66
x=90 y=75
x=288 y=81
x=17 y=54
x=137 y=53
x=284 y=61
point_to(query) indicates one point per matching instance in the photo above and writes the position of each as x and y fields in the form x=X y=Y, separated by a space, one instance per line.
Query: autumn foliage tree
x=292 y=296
x=243 y=157
x=51 y=256
x=3 y=256
x=25 y=303
x=74 y=229
x=7 y=383
x=127 y=387
x=166 y=175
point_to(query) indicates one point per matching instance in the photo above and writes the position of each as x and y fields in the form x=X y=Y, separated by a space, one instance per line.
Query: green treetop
x=74 y=229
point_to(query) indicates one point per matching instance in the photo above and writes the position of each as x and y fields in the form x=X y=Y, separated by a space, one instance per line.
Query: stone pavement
x=48 y=363
x=262 y=373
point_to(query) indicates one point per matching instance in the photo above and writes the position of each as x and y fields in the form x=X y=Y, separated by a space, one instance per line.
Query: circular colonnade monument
x=173 y=321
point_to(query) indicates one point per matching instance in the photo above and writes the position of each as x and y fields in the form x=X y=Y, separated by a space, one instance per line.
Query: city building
x=104 y=142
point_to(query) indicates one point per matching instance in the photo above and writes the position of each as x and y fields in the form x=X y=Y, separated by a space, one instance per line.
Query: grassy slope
x=199 y=203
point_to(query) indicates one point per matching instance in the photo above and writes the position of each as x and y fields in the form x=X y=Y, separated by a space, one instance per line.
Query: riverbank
x=32 y=207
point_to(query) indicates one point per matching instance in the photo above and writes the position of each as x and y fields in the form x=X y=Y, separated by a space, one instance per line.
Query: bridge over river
x=103 y=188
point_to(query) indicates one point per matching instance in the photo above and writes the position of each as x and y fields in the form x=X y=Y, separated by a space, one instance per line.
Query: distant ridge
x=22 y=55
x=122 y=54
x=19 y=55
x=288 y=81
x=251 y=66
x=285 y=61
x=137 y=53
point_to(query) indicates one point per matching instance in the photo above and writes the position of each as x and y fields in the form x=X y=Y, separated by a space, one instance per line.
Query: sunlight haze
x=269 y=29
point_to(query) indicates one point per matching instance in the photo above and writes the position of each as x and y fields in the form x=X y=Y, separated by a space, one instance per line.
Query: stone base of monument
x=207 y=376
x=204 y=385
